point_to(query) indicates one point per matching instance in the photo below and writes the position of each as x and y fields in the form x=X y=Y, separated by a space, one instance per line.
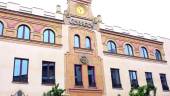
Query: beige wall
x=35 y=55
x=125 y=63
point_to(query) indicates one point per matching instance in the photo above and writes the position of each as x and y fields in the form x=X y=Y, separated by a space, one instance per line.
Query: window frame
x=149 y=81
x=87 y=37
x=93 y=75
x=133 y=85
x=75 y=76
x=1 y=33
x=144 y=52
x=128 y=46
x=109 y=44
x=20 y=72
x=115 y=85
x=164 y=88
x=156 y=54
x=52 y=82
x=23 y=32
x=49 y=31
x=79 y=41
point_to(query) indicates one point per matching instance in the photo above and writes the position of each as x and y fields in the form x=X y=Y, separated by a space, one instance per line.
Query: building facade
x=40 y=49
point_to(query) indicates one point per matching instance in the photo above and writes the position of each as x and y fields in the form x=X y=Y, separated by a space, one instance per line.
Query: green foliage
x=143 y=91
x=55 y=91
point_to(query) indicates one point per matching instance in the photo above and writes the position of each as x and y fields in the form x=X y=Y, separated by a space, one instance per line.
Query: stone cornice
x=130 y=36
x=33 y=16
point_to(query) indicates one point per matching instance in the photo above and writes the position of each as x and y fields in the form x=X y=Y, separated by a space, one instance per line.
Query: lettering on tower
x=81 y=22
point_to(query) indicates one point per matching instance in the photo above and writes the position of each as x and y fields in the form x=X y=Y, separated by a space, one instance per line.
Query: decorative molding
x=29 y=42
x=84 y=60
x=81 y=22
x=134 y=57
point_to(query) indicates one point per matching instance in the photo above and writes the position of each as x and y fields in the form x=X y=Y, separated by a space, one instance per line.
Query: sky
x=145 y=16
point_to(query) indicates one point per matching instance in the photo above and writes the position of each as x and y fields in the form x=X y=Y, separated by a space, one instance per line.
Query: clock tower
x=80 y=9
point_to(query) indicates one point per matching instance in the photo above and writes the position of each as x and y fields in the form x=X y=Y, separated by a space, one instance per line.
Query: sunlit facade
x=40 y=49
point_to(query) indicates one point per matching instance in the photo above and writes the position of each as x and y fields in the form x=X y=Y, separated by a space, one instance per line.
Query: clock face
x=80 y=10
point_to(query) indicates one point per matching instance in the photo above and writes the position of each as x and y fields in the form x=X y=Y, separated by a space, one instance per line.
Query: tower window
x=88 y=43
x=78 y=75
x=91 y=76
x=77 y=41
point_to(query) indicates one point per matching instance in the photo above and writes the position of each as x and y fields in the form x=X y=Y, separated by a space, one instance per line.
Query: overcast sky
x=145 y=16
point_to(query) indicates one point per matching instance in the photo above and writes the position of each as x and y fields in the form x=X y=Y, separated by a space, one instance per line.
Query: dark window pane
x=88 y=43
x=115 y=78
x=128 y=50
x=1 y=28
x=76 y=41
x=158 y=55
x=164 y=82
x=48 y=72
x=149 y=79
x=78 y=75
x=133 y=79
x=111 y=47
x=91 y=76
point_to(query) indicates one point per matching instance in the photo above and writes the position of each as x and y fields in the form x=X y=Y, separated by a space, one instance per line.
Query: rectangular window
x=116 y=83
x=78 y=75
x=164 y=82
x=91 y=76
x=20 y=73
x=48 y=72
x=133 y=79
x=149 y=79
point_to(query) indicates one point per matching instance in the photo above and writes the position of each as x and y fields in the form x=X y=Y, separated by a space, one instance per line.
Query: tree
x=143 y=91
x=55 y=91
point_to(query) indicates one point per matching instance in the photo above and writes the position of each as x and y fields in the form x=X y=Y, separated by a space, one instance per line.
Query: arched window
x=128 y=50
x=1 y=28
x=77 y=41
x=88 y=42
x=23 y=32
x=111 y=47
x=144 y=52
x=49 y=36
x=158 y=55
